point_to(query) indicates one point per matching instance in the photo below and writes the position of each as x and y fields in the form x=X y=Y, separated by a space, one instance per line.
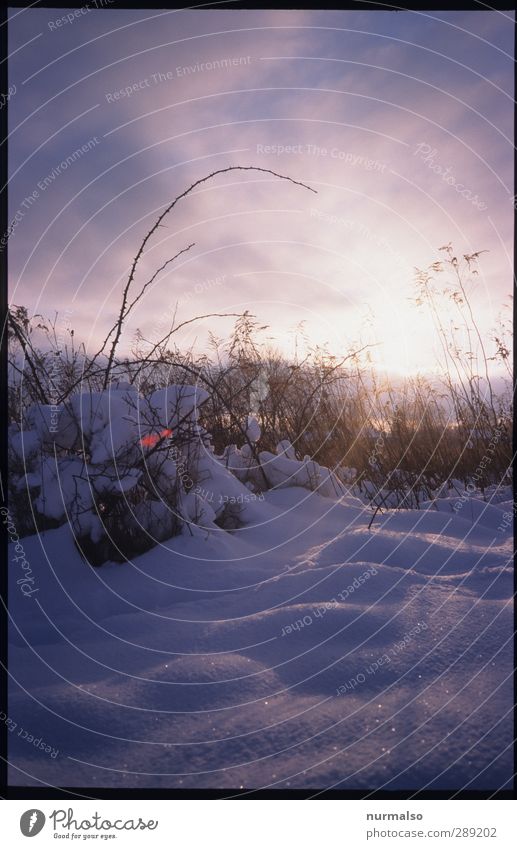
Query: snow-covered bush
x=283 y=469
x=104 y=463
x=127 y=472
x=268 y=470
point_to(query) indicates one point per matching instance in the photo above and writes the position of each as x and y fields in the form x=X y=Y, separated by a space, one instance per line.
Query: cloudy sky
x=402 y=122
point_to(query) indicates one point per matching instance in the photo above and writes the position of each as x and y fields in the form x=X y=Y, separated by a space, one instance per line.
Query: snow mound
x=301 y=650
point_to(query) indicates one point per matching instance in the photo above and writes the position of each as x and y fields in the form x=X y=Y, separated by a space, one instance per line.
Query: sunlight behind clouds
x=402 y=123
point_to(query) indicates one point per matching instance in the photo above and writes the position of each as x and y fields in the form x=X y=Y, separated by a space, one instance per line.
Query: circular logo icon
x=31 y=822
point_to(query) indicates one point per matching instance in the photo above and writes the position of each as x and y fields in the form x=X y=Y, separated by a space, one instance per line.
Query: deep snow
x=302 y=651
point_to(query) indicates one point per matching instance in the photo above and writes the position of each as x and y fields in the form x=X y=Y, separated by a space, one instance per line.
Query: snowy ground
x=305 y=652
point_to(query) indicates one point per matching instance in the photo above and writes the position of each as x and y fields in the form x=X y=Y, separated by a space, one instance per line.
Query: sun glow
x=406 y=342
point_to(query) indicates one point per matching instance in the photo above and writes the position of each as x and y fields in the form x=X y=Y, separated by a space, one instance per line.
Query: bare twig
x=117 y=329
